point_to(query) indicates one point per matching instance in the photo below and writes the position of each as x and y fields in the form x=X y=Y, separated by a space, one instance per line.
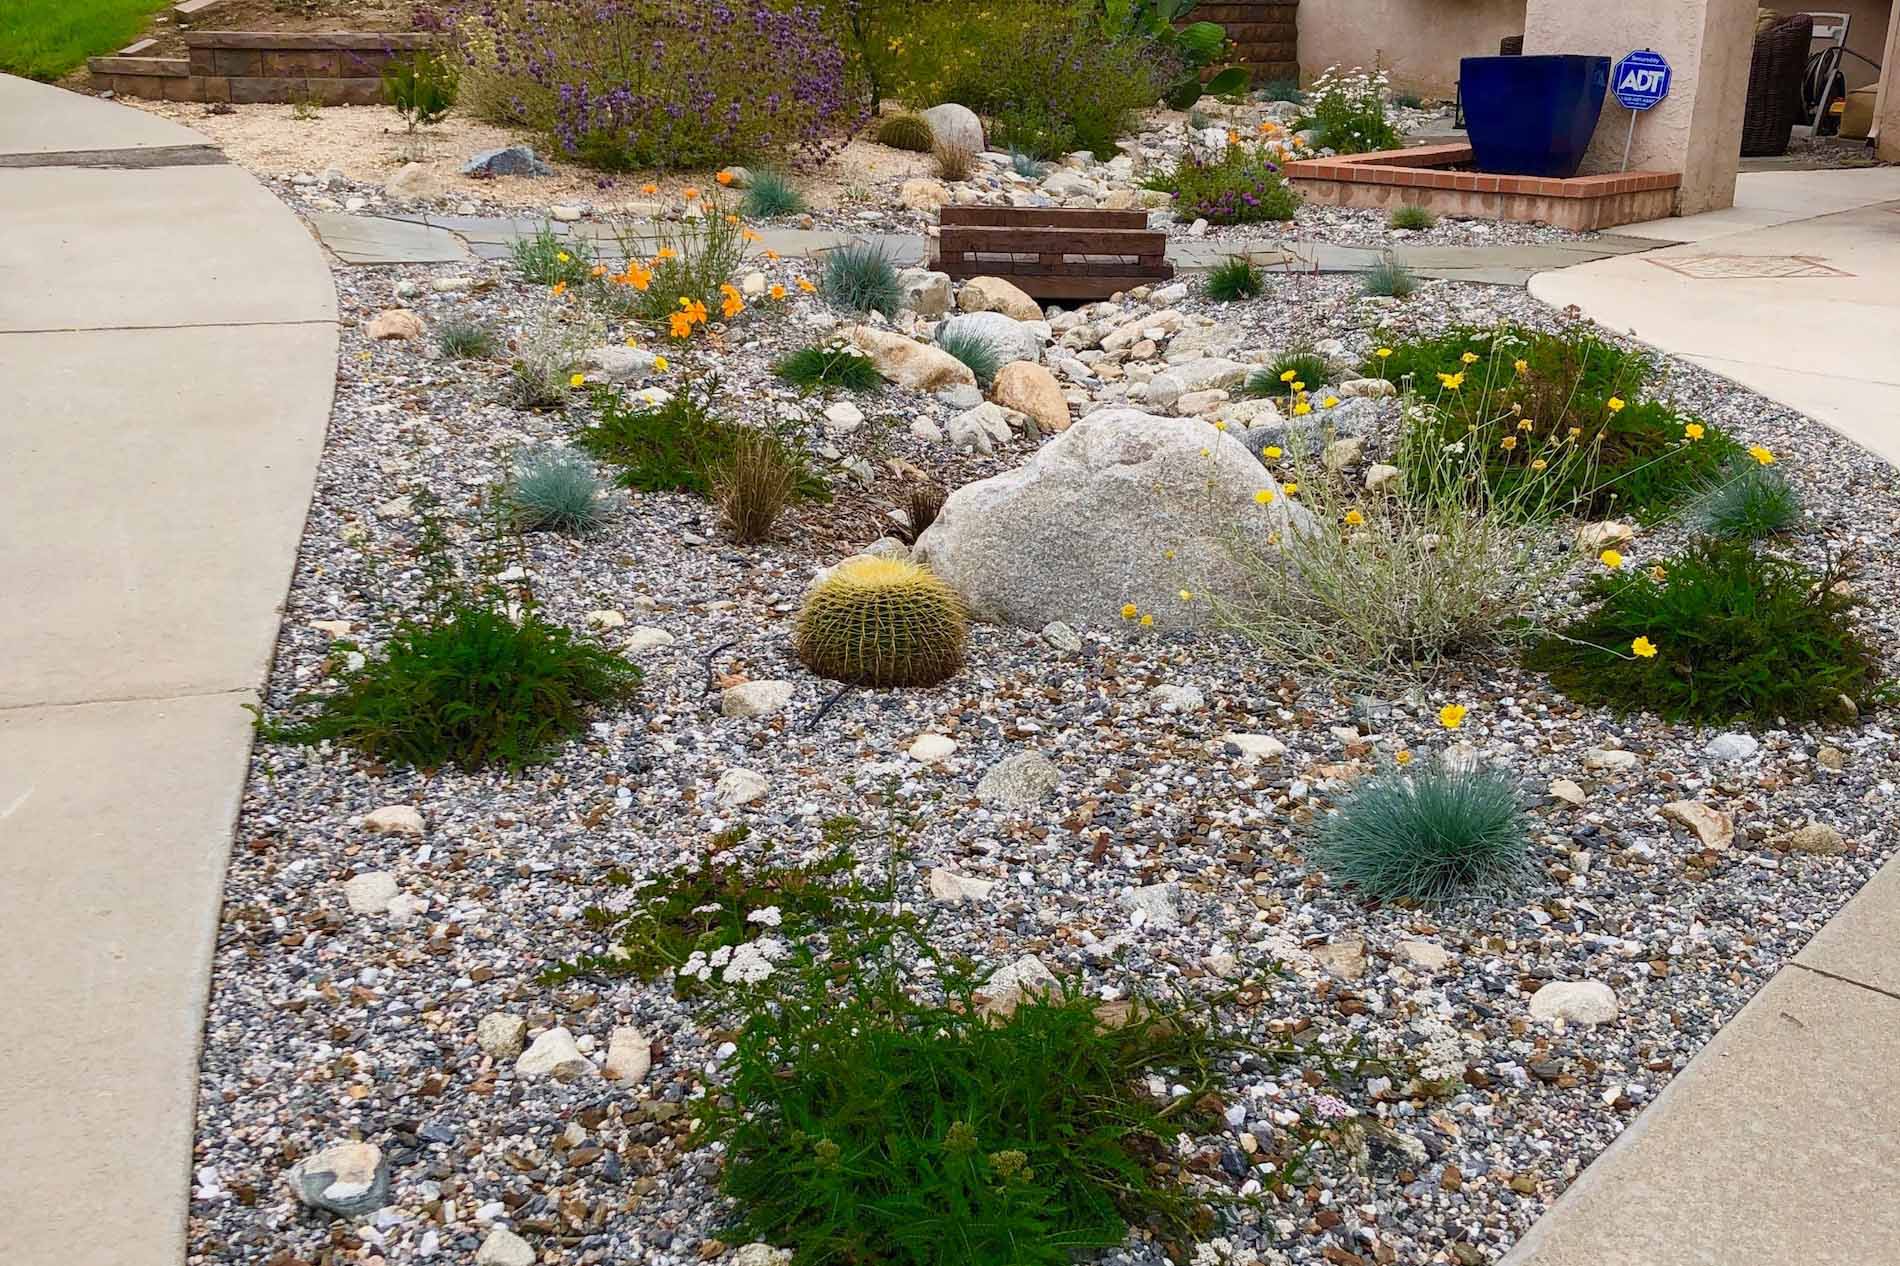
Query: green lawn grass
x=44 y=39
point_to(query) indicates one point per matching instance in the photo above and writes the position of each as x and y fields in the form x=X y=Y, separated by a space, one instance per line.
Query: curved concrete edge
x=170 y=341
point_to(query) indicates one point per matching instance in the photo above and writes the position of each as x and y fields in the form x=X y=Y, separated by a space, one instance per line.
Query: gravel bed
x=327 y=1023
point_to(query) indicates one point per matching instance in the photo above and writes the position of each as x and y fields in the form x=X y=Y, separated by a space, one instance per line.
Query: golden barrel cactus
x=906 y=131
x=882 y=622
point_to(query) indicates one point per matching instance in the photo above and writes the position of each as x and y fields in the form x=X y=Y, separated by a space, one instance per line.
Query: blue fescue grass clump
x=861 y=278
x=1428 y=835
x=1026 y=164
x=979 y=353
x=1747 y=503
x=557 y=490
x=1389 y=279
x=772 y=195
x=1233 y=278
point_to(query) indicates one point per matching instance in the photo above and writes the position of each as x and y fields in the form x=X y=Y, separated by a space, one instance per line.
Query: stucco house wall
x=1418 y=42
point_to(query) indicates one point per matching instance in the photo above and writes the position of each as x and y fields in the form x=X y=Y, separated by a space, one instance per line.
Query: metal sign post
x=1640 y=81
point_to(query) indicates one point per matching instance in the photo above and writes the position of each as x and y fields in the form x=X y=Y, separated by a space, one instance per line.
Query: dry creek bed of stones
x=382 y=929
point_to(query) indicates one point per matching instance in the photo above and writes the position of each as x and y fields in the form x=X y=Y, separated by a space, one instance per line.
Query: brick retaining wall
x=246 y=67
x=1265 y=34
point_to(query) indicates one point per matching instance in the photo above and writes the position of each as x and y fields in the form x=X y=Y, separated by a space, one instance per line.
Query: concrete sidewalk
x=1791 y=293
x=168 y=342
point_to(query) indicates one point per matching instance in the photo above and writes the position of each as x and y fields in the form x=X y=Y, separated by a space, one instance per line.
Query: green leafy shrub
x=1233 y=278
x=1532 y=400
x=1725 y=635
x=861 y=278
x=1390 y=279
x=1240 y=185
x=678 y=446
x=1747 y=503
x=421 y=87
x=882 y=622
x=835 y=363
x=1410 y=217
x=861 y=1123
x=549 y=259
x=557 y=490
x=1426 y=835
x=465 y=338
x=907 y=131
x=772 y=195
x=1034 y=131
x=974 y=350
x=1194 y=45
x=1345 y=111
x=686 y=260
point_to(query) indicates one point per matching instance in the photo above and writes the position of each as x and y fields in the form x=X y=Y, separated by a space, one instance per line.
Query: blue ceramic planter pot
x=1532 y=116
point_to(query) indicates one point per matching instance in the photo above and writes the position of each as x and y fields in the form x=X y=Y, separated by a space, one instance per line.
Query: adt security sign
x=1640 y=80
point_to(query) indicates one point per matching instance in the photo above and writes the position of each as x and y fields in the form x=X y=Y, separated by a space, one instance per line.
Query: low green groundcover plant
x=835 y=363
x=1233 y=278
x=1428 y=834
x=1718 y=634
x=861 y=1123
x=1562 y=411
x=548 y=258
x=678 y=446
x=1241 y=185
x=44 y=39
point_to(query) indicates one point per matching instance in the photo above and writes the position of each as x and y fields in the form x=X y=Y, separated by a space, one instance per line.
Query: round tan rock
x=1029 y=388
x=993 y=294
x=396 y=323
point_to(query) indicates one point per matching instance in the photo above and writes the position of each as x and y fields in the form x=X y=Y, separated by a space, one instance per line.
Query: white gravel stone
x=1732 y=747
x=396 y=819
x=755 y=699
x=739 y=786
x=930 y=748
x=948 y=886
x=501 y=1035
x=1575 y=1001
x=1020 y=781
x=503 y=1247
x=553 y=1054
x=370 y=892
x=629 y=1056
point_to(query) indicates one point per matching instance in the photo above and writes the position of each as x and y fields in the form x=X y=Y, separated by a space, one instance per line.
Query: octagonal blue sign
x=1640 y=79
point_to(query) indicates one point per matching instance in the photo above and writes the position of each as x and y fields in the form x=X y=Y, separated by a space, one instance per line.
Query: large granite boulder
x=1122 y=508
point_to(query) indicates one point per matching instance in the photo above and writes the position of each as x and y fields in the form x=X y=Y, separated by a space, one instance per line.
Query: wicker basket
x=1774 y=86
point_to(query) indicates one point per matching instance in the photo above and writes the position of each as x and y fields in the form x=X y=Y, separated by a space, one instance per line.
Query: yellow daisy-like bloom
x=1453 y=381
x=804 y=283
x=558 y=289
x=660 y=363
x=1614 y=404
x=1452 y=715
x=1147 y=621
x=1289 y=376
x=1576 y=432
x=563 y=256
x=1693 y=431
x=777 y=291
x=577 y=380
x=1187 y=595
x=1129 y=611
x=1219 y=425
x=1520 y=364
x=632 y=341
x=1331 y=402
x=1274 y=452
x=1263 y=497
x=1761 y=455
x=1525 y=424
x=1383 y=352
x=1469 y=358
x=1291 y=490
x=1402 y=758
x=1299 y=386
x=1354 y=518
x=1610 y=558
x=1301 y=409
x=1508 y=443
x=1539 y=464
x=1643 y=648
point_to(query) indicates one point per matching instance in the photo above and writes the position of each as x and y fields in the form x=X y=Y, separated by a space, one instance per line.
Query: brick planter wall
x=1265 y=33
x=246 y=67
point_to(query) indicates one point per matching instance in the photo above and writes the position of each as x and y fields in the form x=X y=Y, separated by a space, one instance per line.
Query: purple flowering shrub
x=1240 y=185
x=624 y=84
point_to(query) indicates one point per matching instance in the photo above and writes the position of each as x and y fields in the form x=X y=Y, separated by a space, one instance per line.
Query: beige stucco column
x=1698 y=130
x=1887 y=101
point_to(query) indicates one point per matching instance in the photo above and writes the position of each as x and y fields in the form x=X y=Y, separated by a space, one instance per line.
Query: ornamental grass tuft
x=465 y=338
x=835 y=363
x=974 y=350
x=1389 y=279
x=771 y=195
x=1718 y=634
x=1426 y=835
x=557 y=490
x=680 y=445
x=1235 y=277
x=1746 y=502
x=1414 y=218
x=861 y=278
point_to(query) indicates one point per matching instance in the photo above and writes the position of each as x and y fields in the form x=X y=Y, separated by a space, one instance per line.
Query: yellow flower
x=1761 y=455
x=1525 y=424
x=1383 y=352
x=577 y=380
x=1644 y=648
x=1147 y=621
x=1693 y=431
x=1453 y=381
x=1539 y=464
x=1610 y=558
x=1354 y=518
x=804 y=283
x=1576 y=432
x=1289 y=376
x=1520 y=364
x=1469 y=358
x=1274 y=452
x=1508 y=443
x=1129 y=611
x=1220 y=426
x=563 y=256
x=558 y=289
x=1331 y=402
x=632 y=341
x=1291 y=490
x=1402 y=758
x=1452 y=715
x=1299 y=386
x=1659 y=573
x=1301 y=409
x=1614 y=404
x=660 y=363
x=1187 y=595
x=777 y=291
x=1263 y=497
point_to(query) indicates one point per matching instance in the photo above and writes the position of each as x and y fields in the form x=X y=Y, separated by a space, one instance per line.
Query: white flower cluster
x=767 y=915
x=747 y=963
